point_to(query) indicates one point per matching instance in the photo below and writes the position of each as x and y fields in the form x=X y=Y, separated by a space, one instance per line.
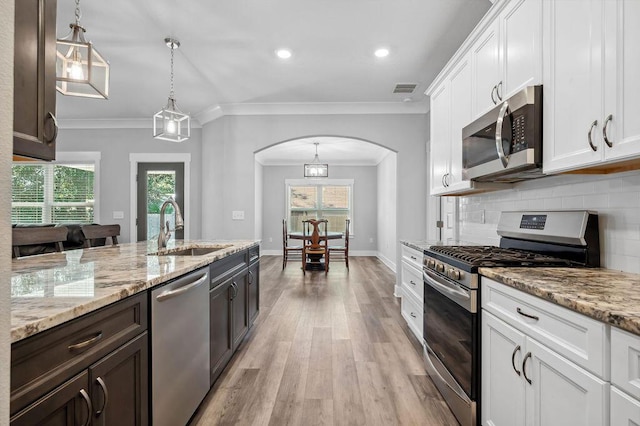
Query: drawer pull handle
x=86 y=343
x=103 y=386
x=524 y=314
x=513 y=359
x=87 y=401
x=414 y=258
x=524 y=365
x=413 y=315
x=412 y=283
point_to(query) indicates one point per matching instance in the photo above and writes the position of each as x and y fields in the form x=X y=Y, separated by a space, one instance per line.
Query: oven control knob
x=440 y=267
x=454 y=274
x=431 y=264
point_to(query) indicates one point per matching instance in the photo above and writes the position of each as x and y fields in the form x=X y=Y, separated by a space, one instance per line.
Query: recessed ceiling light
x=283 y=53
x=382 y=52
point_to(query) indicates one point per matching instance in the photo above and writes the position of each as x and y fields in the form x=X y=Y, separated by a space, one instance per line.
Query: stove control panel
x=444 y=269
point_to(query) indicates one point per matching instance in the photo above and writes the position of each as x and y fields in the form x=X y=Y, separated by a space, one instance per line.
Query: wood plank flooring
x=326 y=350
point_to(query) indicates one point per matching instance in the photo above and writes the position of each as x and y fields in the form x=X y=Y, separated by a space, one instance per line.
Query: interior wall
x=364 y=238
x=387 y=241
x=115 y=145
x=616 y=199
x=6 y=151
x=229 y=143
x=259 y=204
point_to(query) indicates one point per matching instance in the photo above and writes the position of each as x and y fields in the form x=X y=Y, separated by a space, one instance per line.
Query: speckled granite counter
x=417 y=245
x=50 y=289
x=606 y=295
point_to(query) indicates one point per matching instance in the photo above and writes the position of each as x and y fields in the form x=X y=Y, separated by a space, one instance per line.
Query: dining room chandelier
x=171 y=124
x=80 y=69
x=316 y=169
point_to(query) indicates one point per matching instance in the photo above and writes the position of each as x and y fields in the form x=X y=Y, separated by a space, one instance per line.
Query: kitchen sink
x=194 y=251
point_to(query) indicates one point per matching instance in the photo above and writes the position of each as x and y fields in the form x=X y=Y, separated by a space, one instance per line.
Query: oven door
x=451 y=331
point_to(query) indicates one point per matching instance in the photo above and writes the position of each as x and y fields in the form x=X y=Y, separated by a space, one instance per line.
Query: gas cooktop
x=478 y=256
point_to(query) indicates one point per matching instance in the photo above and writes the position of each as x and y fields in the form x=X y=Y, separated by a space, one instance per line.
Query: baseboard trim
x=397 y=291
x=391 y=265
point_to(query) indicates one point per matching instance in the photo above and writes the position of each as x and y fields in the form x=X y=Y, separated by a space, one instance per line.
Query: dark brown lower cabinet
x=239 y=310
x=221 y=338
x=254 y=292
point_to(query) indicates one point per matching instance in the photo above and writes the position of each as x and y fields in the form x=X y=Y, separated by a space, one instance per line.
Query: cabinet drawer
x=625 y=410
x=412 y=280
x=412 y=256
x=227 y=267
x=412 y=313
x=43 y=361
x=254 y=254
x=575 y=336
x=625 y=361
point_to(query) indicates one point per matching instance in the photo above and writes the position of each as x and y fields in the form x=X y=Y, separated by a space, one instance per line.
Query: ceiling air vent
x=405 y=88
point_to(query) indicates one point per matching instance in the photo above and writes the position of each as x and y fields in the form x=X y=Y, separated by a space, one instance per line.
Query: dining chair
x=30 y=237
x=315 y=243
x=286 y=248
x=343 y=248
x=93 y=234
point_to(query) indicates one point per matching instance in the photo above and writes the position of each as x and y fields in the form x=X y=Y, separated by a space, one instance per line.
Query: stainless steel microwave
x=505 y=144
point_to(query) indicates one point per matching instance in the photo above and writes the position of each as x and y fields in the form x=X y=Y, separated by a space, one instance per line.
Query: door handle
x=495 y=102
x=499 y=91
x=513 y=359
x=504 y=159
x=524 y=365
x=250 y=278
x=590 y=135
x=105 y=394
x=604 y=131
x=87 y=401
x=53 y=118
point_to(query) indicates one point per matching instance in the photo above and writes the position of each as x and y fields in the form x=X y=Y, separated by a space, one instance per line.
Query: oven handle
x=452 y=291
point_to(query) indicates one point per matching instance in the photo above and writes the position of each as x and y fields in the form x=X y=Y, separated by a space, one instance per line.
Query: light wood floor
x=326 y=350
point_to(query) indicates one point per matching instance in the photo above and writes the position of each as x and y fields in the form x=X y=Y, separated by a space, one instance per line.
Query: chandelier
x=171 y=124
x=80 y=69
x=316 y=169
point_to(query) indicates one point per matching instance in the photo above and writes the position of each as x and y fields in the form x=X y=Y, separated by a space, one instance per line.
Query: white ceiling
x=227 y=55
x=335 y=151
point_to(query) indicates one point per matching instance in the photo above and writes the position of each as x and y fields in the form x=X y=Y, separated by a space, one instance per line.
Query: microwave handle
x=503 y=112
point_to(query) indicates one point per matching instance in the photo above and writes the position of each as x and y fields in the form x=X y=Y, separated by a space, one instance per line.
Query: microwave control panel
x=518 y=140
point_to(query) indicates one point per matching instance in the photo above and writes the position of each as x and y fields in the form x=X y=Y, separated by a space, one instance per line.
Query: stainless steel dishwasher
x=179 y=348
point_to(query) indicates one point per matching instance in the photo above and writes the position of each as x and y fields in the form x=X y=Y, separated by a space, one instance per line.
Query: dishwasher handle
x=180 y=290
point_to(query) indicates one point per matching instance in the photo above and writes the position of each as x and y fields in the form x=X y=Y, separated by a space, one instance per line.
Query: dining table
x=315 y=260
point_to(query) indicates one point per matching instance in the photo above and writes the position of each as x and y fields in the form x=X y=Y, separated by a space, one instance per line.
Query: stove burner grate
x=496 y=256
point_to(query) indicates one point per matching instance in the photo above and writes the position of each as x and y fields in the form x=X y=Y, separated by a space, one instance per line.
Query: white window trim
x=174 y=157
x=320 y=182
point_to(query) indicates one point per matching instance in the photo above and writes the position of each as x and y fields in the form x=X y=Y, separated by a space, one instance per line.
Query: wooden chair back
x=318 y=234
x=36 y=236
x=346 y=234
x=95 y=232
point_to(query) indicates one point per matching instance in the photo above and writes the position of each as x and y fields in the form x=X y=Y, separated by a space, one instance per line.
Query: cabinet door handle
x=443 y=184
x=590 y=135
x=513 y=359
x=524 y=314
x=604 y=131
x=86 y=343
x=234 y=286
x=250 y=278
x=53 y=118
x=499 y=91
x=87 y=401
x=492 y=95
x=524 y=366
x=413 y=315
x=105 y=394
x=412 y=283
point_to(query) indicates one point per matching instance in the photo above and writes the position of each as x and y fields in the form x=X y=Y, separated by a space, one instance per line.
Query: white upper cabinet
x=507 y=56
x=440 y=144
x=460 y=98
x=591 y=93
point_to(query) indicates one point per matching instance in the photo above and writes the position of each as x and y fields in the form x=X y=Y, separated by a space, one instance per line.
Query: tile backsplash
x=616 y=199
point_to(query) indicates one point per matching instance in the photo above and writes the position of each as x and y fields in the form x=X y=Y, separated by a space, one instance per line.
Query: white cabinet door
x=561 y=393
x=460 y=94
x=440 y=143
x=621 y=79
x=485 y=56
x=625 y=411
x=521 y=40
x=572 y=79
x=503 y=389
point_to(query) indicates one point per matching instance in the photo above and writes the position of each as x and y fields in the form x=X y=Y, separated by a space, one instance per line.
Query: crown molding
x=312 y=108
x=112 y=123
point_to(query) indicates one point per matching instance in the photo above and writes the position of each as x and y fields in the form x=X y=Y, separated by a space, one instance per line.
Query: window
x=61 y=192
x=329 y=199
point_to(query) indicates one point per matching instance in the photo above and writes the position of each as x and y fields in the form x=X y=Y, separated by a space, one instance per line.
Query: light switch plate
x=237 y=215
x=118 y=215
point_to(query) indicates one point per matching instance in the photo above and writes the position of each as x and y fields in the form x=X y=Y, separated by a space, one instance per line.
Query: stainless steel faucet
x=164 y=235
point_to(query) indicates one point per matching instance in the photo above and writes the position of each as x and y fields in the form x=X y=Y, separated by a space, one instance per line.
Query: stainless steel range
x=451 y=296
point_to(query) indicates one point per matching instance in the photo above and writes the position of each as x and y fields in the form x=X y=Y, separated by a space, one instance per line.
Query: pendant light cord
x=171 y=87
x=78 y=13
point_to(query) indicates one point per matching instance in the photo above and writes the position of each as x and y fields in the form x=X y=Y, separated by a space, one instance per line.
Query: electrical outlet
x=118 y=215
x=237 y=215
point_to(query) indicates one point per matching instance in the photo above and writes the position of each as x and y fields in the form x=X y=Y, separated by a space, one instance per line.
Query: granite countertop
x=417 y=245
x=50 y=289
x=424 y=245
x=603 y=294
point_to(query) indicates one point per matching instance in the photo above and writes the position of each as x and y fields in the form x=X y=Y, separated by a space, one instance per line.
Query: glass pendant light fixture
x=316 y=169
x=80 y=69
x=171 y=124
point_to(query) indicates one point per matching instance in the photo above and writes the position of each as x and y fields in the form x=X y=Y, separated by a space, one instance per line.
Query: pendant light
x=315 y=169
x=171 y=124
x=80 y=69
